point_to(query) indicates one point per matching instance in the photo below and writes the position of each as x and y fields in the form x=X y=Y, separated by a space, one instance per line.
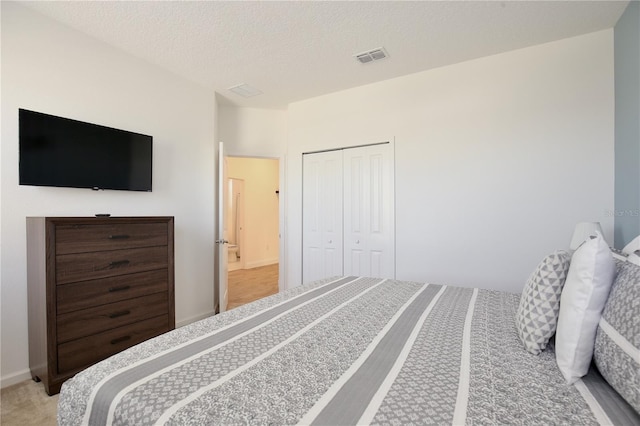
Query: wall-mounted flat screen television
x=57 y=151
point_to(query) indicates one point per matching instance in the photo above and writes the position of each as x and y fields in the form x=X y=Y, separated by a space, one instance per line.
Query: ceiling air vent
x=245 y=90
x=371 y=55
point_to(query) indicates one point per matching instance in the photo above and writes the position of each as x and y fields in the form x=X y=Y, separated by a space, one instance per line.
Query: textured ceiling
x=297 y=50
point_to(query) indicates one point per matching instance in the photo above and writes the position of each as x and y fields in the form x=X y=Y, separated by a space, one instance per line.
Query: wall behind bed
x=496 y=158
x=50 y=68
x=627 y=60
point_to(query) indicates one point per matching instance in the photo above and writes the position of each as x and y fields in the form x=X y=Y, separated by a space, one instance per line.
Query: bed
x=345 y=350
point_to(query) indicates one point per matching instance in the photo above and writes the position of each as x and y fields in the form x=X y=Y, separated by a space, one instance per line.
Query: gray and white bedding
x=347 y=350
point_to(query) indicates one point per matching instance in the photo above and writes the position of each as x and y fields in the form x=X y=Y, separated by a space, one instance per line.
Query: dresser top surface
x=101 y=220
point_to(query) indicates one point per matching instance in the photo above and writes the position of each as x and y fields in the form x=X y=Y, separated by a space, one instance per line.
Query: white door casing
x=322 y=216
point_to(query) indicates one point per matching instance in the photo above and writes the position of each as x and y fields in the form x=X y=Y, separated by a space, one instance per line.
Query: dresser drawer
x=98 y=319
x=101 y=264
x=87 y=238
x=81 y=353
x=87 y=294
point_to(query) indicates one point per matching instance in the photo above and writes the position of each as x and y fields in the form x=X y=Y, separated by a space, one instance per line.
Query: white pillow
x=585 y=292
x=632 y=246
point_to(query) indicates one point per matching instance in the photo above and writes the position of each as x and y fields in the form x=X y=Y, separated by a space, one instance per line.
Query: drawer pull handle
x=119 y=314
x=121 y=288
x=117 y=263
x=118 y=237
x=120 y=340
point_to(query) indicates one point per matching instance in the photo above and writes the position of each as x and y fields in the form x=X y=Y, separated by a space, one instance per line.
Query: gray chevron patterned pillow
x=537 y=315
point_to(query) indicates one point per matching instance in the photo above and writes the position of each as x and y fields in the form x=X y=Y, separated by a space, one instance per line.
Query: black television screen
x=56 y=151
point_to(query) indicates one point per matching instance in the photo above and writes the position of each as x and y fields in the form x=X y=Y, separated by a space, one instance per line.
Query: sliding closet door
x=322 y=216
x=369 y=207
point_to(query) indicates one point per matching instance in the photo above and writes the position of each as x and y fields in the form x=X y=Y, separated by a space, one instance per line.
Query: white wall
x=261 y=213
x=627 y=151
x=496 y=158
x=50 y=68
x=253 y=132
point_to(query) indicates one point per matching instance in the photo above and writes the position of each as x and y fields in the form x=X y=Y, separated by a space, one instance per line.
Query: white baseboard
x=189 y=320
x=234 y=266
x=12 y=379
x=259 y=263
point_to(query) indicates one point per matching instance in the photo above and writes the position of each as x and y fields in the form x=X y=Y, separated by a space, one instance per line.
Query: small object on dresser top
x=103 y=214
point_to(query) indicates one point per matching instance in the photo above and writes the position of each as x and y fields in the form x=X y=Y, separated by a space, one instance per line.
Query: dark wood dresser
x=96 y=286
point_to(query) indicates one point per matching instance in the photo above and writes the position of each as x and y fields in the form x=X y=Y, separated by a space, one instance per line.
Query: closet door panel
x=331 y=219
x=376 y=260
x=356 y=214
x=377 y=193
x=356 y=263
x=312 y=249
x=369 y=211
x=322 y=254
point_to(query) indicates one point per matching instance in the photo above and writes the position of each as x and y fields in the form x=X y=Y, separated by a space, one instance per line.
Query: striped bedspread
x=341 y=351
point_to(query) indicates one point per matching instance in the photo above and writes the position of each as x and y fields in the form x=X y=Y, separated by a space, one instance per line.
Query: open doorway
x=252 y=224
